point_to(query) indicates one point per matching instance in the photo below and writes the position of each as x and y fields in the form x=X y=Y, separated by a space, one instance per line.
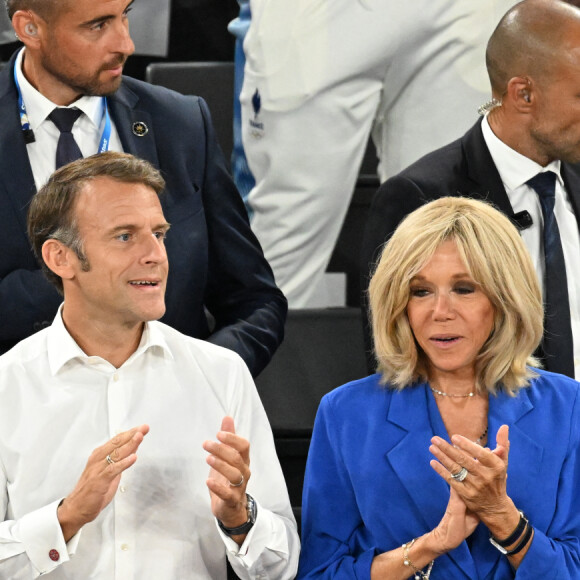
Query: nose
x=154 y=251
x=123 y=42
x=443 y=307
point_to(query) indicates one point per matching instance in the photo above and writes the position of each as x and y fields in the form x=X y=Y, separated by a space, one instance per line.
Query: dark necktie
x=67 y=149
x=557 y=344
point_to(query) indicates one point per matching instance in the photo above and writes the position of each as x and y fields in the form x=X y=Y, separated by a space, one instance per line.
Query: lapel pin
x=140 y=129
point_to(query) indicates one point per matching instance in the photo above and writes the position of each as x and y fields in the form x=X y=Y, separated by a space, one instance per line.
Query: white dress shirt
x=515 y=170
x=87 y=129
x=59 y=404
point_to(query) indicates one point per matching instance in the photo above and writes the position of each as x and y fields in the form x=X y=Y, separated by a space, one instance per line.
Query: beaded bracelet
x=419 y=574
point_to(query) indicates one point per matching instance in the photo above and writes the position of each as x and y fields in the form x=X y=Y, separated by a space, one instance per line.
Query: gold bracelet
x=419 y=574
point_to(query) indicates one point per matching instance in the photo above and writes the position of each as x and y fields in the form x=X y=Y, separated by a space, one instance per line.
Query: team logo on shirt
x=257 y=127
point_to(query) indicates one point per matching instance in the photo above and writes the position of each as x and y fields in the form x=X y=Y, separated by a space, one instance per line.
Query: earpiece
x=30 y=29
x=527 y=97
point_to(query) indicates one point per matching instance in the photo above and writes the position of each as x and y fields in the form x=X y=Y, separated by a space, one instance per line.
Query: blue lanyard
x=106 y=135
x=29 y=135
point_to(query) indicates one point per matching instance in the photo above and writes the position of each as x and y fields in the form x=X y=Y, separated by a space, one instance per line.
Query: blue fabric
x=220 y=287
x=369 y=486
x=242 y=174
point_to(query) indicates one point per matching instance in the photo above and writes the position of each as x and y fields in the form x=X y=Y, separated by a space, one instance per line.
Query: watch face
x=251 y=507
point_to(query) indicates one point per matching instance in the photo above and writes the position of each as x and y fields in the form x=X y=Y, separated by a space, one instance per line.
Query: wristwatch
x=252 y=510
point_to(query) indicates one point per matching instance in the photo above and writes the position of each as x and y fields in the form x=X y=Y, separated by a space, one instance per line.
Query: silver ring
x=237 y=484
x=460 y=475
x=109 y=460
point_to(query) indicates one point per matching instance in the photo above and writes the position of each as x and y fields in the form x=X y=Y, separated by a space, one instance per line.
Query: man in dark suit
x=220 y=287
x=531 y=126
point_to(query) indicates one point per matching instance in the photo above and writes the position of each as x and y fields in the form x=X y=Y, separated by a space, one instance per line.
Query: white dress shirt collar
x=514 y=168
x=38 y=107
x=62 y=348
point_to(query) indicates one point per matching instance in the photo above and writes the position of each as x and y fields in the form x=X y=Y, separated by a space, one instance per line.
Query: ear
x=59 y=258
x=521 y=93
x=27 y=25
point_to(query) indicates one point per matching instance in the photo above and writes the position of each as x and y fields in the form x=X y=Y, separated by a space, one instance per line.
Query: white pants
x=319 y=76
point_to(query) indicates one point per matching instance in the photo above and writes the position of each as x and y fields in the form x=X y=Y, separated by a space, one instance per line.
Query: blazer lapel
x=506 y=410
x=13 y=154
x=127 y=118
x=410 y=461
x=571 y=177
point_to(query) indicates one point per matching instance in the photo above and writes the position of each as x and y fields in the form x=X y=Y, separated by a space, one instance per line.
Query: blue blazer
x=369 y=486
x=215 y=262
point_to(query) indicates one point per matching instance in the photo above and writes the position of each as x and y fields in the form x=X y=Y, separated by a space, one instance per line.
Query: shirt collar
x=62 y=347
x=38 y=107
x=514 y=168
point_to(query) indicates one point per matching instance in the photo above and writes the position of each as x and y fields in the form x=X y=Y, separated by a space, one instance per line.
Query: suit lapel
x=571 y=177
x=13 y=154
x=125 y=114
x=410 y=461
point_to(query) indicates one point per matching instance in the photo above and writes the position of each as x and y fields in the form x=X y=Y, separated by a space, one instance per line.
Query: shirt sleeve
x=272 y=546
x=34 y=543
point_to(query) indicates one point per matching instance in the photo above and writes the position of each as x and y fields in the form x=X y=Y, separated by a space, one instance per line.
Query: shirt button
x=54 y=555
x=122 y=489
x=115 y=377
x=124 y=547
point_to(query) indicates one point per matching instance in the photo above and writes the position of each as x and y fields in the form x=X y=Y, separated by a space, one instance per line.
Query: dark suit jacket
x=215 y=262
x=462 y=168
x=369 y=486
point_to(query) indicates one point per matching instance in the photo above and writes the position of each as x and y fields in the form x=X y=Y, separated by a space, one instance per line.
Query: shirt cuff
x=41 y=534
x=267 y=533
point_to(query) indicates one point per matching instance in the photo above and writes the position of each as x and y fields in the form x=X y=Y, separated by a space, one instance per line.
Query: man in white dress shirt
x=139 y=400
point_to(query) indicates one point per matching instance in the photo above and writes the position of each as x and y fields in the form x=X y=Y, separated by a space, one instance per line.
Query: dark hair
x=44 y=8
x=51 y=213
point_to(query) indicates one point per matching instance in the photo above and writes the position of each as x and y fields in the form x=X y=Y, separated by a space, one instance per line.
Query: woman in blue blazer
x=408 y=472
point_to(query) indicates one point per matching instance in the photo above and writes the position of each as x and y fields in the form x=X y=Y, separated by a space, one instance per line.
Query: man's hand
x=228 y=477
x=99 y=481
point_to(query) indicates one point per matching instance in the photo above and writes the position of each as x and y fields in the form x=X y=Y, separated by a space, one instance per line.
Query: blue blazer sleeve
x=555 y=552
x=331 y=530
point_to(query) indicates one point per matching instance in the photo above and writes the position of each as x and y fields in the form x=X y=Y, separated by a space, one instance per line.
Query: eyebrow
x=454 y=277
x=105 y=17
x=164 y=226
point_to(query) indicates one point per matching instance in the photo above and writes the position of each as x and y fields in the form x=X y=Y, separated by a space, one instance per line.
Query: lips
x=445 y=340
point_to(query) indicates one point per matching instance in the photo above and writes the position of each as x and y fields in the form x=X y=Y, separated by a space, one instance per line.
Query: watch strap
x=244 y=528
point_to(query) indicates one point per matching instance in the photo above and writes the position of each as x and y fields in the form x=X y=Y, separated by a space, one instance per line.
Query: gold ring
x=109 y=460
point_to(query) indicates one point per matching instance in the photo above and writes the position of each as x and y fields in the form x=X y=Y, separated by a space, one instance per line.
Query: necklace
x=438 y=392
x=442 y=394
x=481 y=437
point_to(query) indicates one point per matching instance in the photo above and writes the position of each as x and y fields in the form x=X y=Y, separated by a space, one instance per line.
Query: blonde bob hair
x=497 y=260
